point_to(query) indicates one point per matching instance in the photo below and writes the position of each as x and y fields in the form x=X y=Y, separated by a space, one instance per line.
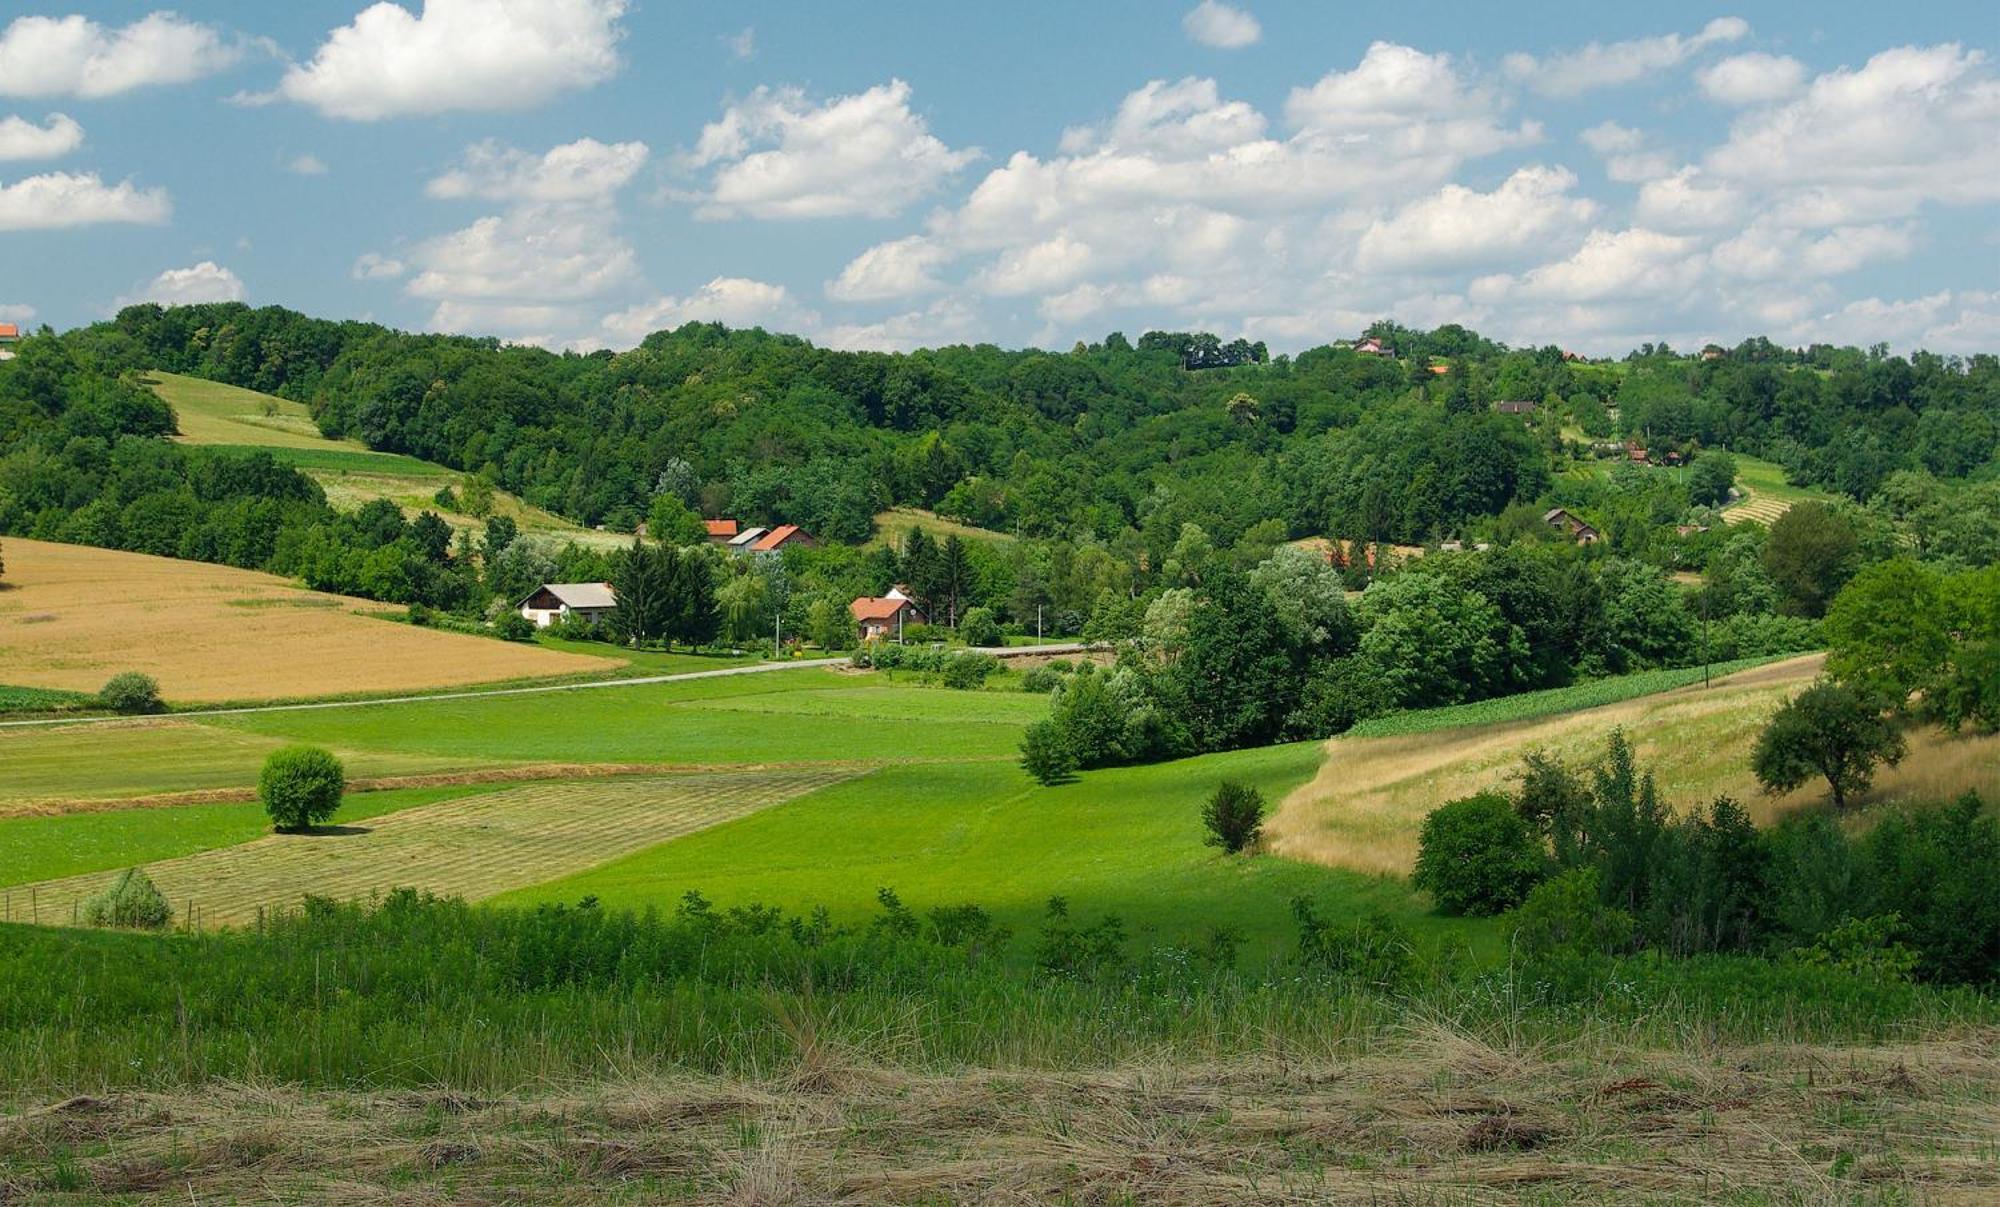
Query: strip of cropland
x=471 y=846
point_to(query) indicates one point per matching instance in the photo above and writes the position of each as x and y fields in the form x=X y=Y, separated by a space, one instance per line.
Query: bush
x=967 y=672
x=131 y=692
x=1372 y=948
x=301 y=786
x=1047 y=754
x=514 y=627
x=979 y=628
x=1234 y=816
x=1478 y=856
x=133 y=900
x=1563 y=918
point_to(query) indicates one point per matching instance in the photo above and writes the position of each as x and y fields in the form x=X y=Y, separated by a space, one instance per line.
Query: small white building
x=550 y=602
x=10 y=334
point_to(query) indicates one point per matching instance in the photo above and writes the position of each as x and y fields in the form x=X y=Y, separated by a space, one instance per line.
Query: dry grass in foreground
x=1433 y=1115
x=1367 y=805
x=71 y=616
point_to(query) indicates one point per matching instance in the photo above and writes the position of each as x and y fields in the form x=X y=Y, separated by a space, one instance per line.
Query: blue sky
x=579 y=172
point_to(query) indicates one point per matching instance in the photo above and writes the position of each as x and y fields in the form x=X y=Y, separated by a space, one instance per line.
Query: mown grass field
x=462 y=845
x=52 y=847
x=1767 y=495
x=72 y=616
x=1366 y=807
x=1125 y=841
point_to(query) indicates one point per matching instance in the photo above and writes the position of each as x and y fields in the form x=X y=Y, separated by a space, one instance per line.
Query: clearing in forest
x=72 y=616
x=1366 y=807
x=472 y=846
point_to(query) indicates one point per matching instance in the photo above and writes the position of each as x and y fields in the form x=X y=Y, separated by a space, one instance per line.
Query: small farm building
x=551 y=602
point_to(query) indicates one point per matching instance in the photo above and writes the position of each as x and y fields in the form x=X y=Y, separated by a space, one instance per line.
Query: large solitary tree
x=1827 y=730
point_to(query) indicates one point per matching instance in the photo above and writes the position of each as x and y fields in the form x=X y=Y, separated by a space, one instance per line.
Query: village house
x=550 y=602
x=1561 y=520
x=770 y=540
x=883 y=618
x=1714 y=352
x=1515 y=407
x=1371 y=347
x=721 y=531
x=10 y=334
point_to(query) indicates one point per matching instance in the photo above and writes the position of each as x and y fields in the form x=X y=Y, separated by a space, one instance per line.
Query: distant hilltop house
x=550 y=602
x=883 y=617
x=1515 y=407
x=1569 y=525
x=721 y=531
x=10 y=334
x=1714 y=352
x=1371 y=347
x=770 y=540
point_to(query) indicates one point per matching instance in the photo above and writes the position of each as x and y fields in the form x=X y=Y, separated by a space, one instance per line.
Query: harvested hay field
x=1367 y=805
x=1434 y=1115
x=72 y=616
x=473 y=846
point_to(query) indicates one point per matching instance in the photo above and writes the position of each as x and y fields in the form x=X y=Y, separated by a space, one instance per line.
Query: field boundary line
x=757 y=668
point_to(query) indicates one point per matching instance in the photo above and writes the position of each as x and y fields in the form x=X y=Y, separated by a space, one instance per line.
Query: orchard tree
x=1827 y=730
x=301 y=787
x=1711 y=478
x=1810 y=555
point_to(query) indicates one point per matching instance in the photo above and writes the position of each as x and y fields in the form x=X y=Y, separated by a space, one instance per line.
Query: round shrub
x=1478 y=856
x=131 y=692
x=301 y=787
x=133 y=900
x=980 y=629
x=515 y=627
x=1047 y=753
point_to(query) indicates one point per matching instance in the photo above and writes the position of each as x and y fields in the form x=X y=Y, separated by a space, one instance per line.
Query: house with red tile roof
x=721 y=531
x=783 y=536
x=882 y=618
x=10 y=334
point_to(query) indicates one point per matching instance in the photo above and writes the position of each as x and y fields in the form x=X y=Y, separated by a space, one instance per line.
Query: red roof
x=10 y=331
x=776 y=537
x=870 y=607
x=721 y=530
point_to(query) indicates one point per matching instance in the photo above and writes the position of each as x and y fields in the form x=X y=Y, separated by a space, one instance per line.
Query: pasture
x=894 y=526
x=209 y=412
x=1366 y=806
x=470 y=846
x=72 y=616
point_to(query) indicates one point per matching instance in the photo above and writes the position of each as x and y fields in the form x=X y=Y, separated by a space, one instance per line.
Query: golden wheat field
x=1367 y=804
x=72 y=616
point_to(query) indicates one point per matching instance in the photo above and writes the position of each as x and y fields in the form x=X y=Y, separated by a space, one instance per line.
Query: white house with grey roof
x=551 y=602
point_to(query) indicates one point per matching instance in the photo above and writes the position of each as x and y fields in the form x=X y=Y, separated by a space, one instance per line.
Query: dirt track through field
x=473 y=846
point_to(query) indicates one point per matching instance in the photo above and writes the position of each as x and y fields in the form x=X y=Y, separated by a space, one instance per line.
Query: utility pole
x=1038 y=622
x=1704 y=637
x=777 y=633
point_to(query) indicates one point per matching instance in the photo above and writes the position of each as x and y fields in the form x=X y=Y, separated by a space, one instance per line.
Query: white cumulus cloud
x=1604 y=65
x=583 y=170
x=203 y=282
x=776 y=155
x=458 y=55
x=1223 y=26
x=1751 y=79
x=374 y=266
x=23 y=139
x=1457 y=227
x=731 y=301
x=899 y=268
x=76 y=56
x=62 y=199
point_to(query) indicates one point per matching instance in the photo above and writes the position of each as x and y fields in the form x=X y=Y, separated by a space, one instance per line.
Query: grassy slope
x=893 y=525
x=1127 y=841
x=43 y=848
x=350 y=473
x=1368 y=803
x=1767 y=495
